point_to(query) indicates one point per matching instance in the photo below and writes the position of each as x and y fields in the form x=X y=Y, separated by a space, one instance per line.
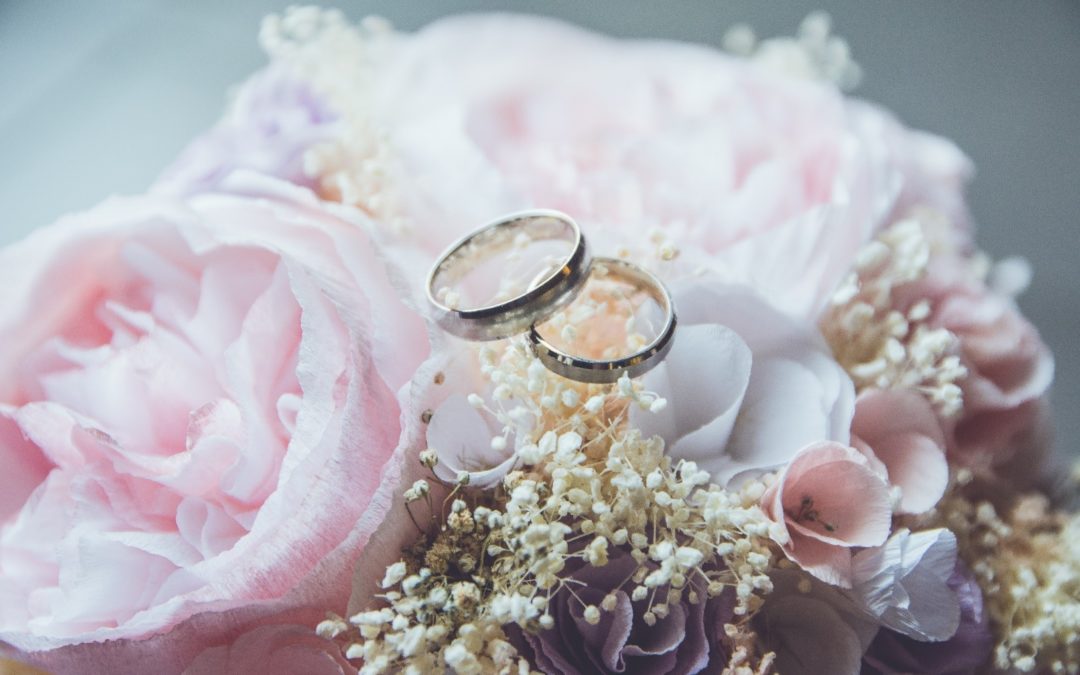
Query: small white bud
x=394 y=574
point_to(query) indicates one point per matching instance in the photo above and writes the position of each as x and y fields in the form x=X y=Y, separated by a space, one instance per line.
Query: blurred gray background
x=96 y=97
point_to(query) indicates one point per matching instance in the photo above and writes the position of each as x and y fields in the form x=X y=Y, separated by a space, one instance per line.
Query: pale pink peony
x=830 y=500
x=771 y=181
x=900 y=434
x=198 y=415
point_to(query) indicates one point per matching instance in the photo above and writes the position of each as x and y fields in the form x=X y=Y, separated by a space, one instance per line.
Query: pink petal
x=848 y=496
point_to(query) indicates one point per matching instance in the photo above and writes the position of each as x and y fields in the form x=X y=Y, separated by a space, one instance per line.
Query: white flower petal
x=903 y=583
x=703 y=378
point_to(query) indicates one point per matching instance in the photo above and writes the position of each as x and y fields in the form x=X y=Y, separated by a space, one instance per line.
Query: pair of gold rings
x=554 y=289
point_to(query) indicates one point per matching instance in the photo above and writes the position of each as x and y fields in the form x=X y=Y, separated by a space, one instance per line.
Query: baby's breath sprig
x=882 y=346
x=1026 y=558
x=586 y=487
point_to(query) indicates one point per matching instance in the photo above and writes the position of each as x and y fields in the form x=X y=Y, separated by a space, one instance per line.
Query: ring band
x=556 y=288
x=606 y=372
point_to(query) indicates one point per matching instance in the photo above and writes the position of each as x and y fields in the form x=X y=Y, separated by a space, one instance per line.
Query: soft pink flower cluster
x=209 y=395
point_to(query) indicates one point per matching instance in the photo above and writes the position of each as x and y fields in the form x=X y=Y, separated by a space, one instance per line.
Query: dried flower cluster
x=1025 y=556
x=352 y=169
x=883 y=346
x=585 y=485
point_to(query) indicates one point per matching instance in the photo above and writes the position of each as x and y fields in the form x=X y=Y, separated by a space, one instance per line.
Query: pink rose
x=198 y=417
x=830 y=500
x=773 y=182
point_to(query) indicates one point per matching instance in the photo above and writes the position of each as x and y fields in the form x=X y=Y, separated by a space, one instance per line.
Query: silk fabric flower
x=199 y=418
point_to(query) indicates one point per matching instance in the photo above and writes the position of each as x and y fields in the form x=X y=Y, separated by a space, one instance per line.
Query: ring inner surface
x=605 y=324
x=471 y=269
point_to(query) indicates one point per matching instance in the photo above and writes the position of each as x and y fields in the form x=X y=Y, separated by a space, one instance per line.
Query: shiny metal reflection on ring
x=554 y=290
x=604 y=372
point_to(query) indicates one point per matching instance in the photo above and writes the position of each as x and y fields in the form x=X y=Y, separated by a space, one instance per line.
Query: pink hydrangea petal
x=849 y=497
x=903 y=432
x=918 y=467
x=880 y=413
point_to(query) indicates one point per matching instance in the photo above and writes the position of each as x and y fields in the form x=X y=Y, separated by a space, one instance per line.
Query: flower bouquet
x=805 y=430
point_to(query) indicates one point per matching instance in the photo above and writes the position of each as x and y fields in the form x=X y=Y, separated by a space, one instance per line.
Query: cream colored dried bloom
x=1028 y=565
x=882 y=345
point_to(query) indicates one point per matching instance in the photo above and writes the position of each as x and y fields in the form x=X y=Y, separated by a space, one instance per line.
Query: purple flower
x=688 y=640
x=964 y=652
x=274 y=118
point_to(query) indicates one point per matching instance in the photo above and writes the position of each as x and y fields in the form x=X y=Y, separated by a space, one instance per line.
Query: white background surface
x=96 y=97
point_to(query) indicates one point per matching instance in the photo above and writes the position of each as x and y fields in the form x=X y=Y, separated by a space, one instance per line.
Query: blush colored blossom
x=201 y=415
x=898 y=430
x=830 y=501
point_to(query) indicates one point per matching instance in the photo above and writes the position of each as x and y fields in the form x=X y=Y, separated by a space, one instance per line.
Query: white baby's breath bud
x=569 y=442
x=498 y=443
x=596 y=553
x=654 y=480
x=688 y=557
x=592 y=615
x=594 y=404
x=529 y=454
x=429 y=458
x=475 y=401
x=331 y=628
x=394 y=574
x=609 y=602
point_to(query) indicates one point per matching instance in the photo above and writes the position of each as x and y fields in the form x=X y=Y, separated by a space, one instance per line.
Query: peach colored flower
x=900 y=433
x=199 y=414
x=830 y=500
